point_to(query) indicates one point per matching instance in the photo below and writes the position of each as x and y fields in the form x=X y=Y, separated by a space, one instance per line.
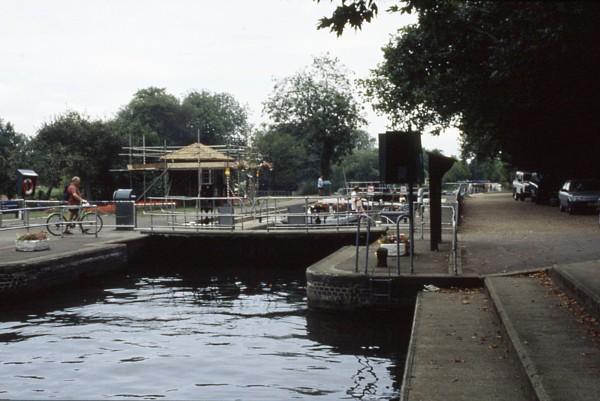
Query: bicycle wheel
x=90 y=223
x=56 y=224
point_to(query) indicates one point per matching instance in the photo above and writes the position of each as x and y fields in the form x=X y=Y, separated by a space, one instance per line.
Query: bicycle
x=89 y=222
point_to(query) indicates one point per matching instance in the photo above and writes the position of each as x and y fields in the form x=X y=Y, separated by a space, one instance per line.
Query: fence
x=35 y=214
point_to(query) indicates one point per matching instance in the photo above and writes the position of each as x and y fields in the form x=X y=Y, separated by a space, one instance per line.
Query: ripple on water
x=200 y=336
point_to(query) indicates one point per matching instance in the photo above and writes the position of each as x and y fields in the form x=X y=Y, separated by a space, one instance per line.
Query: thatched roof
x=186 y=166
x=195 y=152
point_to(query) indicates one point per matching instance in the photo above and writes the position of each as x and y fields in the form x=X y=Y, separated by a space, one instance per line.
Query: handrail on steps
x=360 y=217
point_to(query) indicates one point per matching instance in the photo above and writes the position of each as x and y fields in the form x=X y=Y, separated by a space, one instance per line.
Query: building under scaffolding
x=196 y=170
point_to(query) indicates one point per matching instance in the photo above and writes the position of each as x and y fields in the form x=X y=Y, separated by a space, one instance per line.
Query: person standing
x=320 y=185
x=74 y=198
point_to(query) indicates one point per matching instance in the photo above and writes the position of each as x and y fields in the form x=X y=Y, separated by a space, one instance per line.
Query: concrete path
x=58 y=245
x=557 y=355
x=457 y=352
x=582 y=282
x=500 y=234
x=554 y=351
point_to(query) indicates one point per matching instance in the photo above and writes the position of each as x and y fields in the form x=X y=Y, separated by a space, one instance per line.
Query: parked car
x=522 y=184
x=545 y=190
x=579 y=195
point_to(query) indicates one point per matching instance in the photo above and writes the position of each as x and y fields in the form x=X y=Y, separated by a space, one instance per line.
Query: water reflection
x=181 y=332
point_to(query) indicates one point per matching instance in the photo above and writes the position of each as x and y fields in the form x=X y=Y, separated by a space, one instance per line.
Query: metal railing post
x=26 y=213
x=306 y=213
x=360 y=217
x=454 y=239
x=367 y=244
x=96 y=221
x=398 y=244
x=357 y=244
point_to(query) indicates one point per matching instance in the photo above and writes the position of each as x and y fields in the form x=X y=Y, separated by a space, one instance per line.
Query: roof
x=210 y=165
x=27 y=173
x=194 y=153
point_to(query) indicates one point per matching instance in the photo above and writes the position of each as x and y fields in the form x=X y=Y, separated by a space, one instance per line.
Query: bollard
x=382 y=254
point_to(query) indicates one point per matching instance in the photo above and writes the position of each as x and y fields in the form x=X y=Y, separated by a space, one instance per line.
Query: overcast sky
x=92 y=56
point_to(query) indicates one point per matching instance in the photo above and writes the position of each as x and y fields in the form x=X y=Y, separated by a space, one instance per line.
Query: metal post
x=26 y=213
x=306 y=213
x=357 y=244
x=455 y=239
x=398 y=245
x=367 y=245
x=96 y=221
x=337 y=213
x=411 y=227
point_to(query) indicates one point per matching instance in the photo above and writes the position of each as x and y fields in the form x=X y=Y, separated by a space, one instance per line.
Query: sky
x=92 y=56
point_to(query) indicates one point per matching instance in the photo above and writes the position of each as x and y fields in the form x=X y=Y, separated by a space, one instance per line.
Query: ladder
x=380 y=290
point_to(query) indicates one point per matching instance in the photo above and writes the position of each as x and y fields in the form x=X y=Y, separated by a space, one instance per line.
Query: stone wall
x=21 y=279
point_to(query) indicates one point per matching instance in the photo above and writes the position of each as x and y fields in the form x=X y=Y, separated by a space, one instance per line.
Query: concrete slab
x=457 y=352
x=499 y=235
x=560 y=360
x=58 y=245
x=582 y=282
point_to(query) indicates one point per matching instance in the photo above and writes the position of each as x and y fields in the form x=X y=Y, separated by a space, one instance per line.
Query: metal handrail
x=403 y=216
x=367 y=244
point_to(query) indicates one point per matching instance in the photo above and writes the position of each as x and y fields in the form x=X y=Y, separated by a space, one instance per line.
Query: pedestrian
x=356 y=201
x=74 y=199
x=320 y=185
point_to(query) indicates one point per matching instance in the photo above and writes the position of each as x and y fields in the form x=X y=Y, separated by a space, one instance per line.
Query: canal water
x=180 y=332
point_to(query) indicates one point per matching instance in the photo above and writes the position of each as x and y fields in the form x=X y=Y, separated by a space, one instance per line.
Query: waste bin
x=125 y=209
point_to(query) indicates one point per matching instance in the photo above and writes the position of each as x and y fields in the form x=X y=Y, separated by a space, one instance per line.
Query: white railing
x=34 y=213
x=269 y=213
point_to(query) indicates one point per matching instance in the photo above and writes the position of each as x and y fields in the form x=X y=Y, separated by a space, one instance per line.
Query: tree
x=12 y=146
x=73 y=144
x=352 y=13
x=218 y=116
x=157 y=115
x=458 y=172
x=361 y=165
x=519 y=78
x=290 y=160
x=317 y=106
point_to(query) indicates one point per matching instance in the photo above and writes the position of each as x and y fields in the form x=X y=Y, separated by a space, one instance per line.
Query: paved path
x=59 y=245
x=499 y=235
x=558 y=356
x=552 y=345
x=458 y=353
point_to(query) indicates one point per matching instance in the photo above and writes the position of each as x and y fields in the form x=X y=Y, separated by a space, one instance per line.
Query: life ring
x=27 y=186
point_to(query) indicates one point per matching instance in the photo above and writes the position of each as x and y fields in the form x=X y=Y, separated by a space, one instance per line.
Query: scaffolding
x=233 y=166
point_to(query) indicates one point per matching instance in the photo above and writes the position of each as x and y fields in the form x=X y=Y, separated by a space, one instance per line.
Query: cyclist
x=75 y=199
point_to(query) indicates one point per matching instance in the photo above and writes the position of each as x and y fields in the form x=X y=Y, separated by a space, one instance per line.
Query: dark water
x=178 y=333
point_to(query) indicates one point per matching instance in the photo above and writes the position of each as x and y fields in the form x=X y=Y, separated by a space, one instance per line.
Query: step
x=456 y=352
x=580 y=281
x=559 y=359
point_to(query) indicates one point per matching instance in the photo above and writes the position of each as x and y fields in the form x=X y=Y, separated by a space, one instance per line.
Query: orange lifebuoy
x=27 y=186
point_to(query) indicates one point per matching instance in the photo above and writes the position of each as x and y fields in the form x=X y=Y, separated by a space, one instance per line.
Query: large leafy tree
x=12 y=147
x=290 y=160
x=161 y=117
x=219 y=118
x=317 y=106
x=519 y=78
x=73 y=144
x=157 y=115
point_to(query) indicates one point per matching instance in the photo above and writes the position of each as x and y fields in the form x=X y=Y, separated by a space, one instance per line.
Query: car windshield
x=587 y=185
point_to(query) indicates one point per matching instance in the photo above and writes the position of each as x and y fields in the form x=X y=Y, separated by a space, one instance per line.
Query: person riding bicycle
x=75 y=199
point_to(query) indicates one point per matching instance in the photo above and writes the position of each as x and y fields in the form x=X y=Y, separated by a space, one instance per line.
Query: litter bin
x=125 y=209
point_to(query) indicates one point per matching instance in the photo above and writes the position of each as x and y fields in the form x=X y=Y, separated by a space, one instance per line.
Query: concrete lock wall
x=26 y=278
